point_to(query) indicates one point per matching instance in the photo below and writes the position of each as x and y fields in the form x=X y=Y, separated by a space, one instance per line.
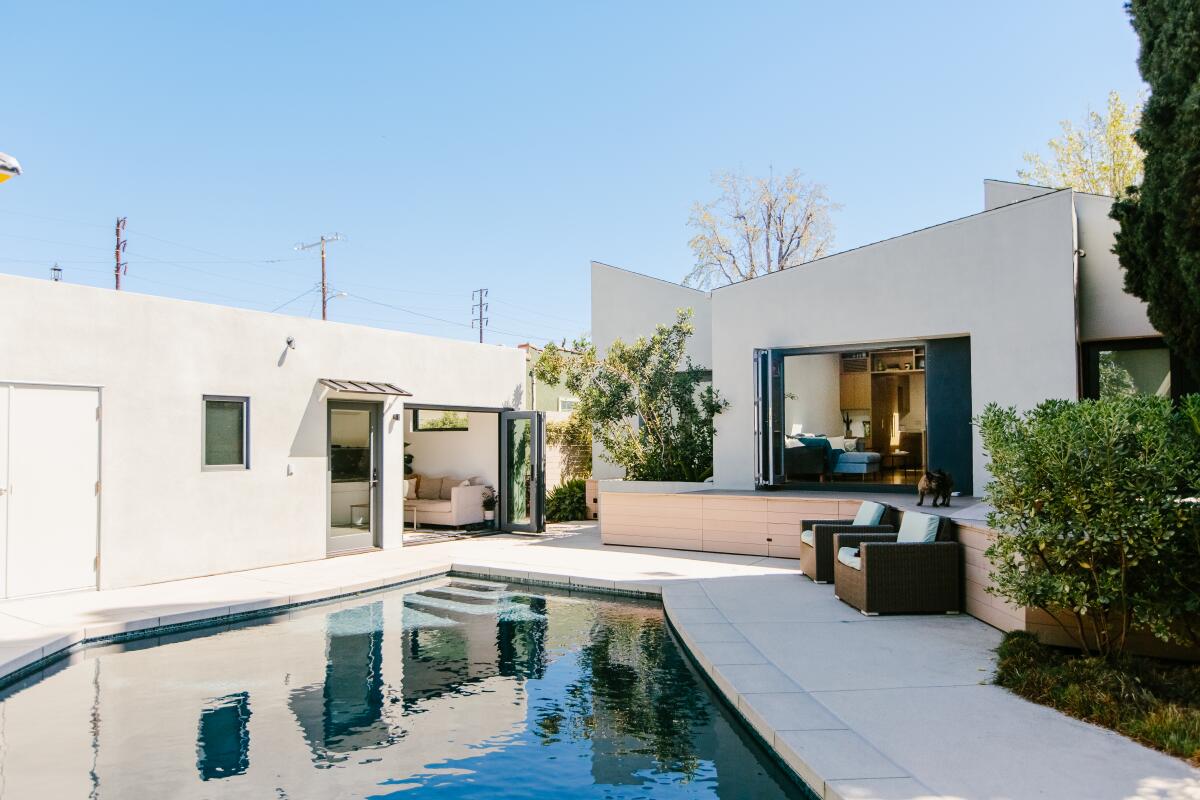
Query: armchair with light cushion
x=817 y=535
x=916 y=570
x=447 y=501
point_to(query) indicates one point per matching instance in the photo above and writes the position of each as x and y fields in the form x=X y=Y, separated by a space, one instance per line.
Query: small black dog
x=939 y=484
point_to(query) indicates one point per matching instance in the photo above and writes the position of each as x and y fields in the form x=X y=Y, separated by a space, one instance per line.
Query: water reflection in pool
x=453 y=688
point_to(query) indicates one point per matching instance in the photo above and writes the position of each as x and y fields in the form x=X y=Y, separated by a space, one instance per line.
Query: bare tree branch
x=758 y=226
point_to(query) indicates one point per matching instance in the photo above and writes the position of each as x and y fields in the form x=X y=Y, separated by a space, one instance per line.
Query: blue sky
x=461 y=145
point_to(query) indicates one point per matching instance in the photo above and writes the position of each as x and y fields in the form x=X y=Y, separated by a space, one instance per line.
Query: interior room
x=452 y=462
x=855 y=416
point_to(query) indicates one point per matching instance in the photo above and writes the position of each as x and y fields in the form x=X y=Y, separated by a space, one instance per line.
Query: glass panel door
x=768 y=417
x=522 y=471
x=353 y=475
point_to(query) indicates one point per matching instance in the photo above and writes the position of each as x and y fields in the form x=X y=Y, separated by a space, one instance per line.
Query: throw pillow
x=448 y=485
x=429 y=489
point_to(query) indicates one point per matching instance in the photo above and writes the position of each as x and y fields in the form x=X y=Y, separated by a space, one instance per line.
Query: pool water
x=453 y=688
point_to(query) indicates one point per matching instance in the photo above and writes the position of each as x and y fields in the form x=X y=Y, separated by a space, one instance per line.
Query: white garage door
x=49 y=471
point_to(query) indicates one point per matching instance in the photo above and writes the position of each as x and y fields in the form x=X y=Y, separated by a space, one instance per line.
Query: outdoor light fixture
x=56 y=273
x=291 y=343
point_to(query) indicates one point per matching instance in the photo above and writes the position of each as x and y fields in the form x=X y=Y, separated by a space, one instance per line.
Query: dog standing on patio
x=939 y=484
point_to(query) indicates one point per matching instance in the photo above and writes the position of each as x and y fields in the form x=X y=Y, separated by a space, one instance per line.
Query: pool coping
x=674 y=597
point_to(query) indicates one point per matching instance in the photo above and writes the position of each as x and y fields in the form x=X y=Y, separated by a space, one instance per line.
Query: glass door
x=768 y=417
x=353 y=468
x=522 y=471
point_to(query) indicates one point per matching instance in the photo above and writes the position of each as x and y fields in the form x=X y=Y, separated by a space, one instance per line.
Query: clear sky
x=504 y=145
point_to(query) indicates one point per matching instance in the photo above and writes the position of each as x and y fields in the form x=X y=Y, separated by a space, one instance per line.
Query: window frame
x=1181 y=383
x=570 y=402
x=224 y=398
x=416 y=421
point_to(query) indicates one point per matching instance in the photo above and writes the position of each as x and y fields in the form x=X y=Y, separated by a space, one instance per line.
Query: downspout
x=1075 y=277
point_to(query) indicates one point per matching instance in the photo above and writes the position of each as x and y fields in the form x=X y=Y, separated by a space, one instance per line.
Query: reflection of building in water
x=309 y=698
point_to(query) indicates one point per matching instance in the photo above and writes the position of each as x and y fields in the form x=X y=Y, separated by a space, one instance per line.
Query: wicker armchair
x=817 y=555
x=891 y=577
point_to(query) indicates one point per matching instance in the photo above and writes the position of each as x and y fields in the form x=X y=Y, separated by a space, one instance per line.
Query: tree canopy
x=649 y=406
x=757 y=226
x=1158 y=243
x=1099 y=155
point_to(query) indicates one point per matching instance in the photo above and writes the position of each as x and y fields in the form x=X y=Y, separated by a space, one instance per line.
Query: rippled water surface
x=448 y=689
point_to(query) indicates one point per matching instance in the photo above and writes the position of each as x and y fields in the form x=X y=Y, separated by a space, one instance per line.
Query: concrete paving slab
x=880 y=789
x=829 y=755
x=772 y=712
x=1003 y=746
x=878 y=654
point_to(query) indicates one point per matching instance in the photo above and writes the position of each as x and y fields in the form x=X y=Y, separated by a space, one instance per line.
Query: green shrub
x=1155 y=702
x=1089 y=496
x=567 y=501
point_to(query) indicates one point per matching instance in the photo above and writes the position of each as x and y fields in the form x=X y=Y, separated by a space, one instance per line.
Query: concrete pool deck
x=860 y=707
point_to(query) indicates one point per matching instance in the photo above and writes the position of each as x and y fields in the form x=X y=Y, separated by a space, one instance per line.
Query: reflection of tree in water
x=636 y=689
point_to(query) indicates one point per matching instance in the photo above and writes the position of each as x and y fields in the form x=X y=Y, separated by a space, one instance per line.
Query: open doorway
x=471 y=471
x=354 y=475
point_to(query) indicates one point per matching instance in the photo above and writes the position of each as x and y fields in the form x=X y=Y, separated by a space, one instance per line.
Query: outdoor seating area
x=880 y=569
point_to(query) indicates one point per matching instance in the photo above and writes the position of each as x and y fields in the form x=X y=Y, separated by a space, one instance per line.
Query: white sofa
x=463 y=507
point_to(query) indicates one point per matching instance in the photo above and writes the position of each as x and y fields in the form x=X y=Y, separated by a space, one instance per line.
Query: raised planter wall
x=676 y=516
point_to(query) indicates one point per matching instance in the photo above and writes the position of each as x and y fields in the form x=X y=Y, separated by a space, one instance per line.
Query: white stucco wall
x=162 y=517
x=1005 y=278
x=812 y=394
x=473 y=453
x=1003 y=193
x=1106 y=310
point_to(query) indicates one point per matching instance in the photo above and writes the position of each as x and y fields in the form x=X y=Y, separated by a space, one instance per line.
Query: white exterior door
x=52 y=489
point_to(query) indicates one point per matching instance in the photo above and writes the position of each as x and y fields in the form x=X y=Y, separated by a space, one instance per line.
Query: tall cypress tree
x=1159 y=240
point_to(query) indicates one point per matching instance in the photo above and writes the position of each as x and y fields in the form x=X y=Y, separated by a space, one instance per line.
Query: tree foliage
x=573 y=438
x=1159 y=239
x=648 y=405
x=567 y=502
x=1091 y=499
x=757 y=226
x=1099 y=155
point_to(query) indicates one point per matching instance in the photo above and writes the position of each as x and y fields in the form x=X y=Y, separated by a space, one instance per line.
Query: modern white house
x=865 y=368
x=145 y=439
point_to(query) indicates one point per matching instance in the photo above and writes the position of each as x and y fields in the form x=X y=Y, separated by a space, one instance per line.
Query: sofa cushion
x=917 y=528
x=869 y=513
x=806 y=537
x=429 y=488
x=435 y=506
x=448 y=486
x=850 y=557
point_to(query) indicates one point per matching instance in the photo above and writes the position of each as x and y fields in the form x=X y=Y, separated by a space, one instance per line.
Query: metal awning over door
x=364 y=387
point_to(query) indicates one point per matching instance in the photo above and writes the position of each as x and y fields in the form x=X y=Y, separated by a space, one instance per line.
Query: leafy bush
x=573 y=438
x=567 y=501
x=1090 y=497
x=1155 y=702
x=648 y=405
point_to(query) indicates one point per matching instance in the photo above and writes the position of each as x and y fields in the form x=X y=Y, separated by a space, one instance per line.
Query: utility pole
x=477 y=309
x=333 y=237
x=119 y=266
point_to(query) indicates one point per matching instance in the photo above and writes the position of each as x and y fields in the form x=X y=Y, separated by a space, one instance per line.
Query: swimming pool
x=453 y=687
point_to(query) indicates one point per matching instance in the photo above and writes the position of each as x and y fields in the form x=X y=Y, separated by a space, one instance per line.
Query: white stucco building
x=145 y=439
x=866 y=367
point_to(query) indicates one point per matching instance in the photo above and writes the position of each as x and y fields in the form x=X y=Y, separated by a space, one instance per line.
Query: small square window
x=438 y=420
x=567 y=403
x=226 y=433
